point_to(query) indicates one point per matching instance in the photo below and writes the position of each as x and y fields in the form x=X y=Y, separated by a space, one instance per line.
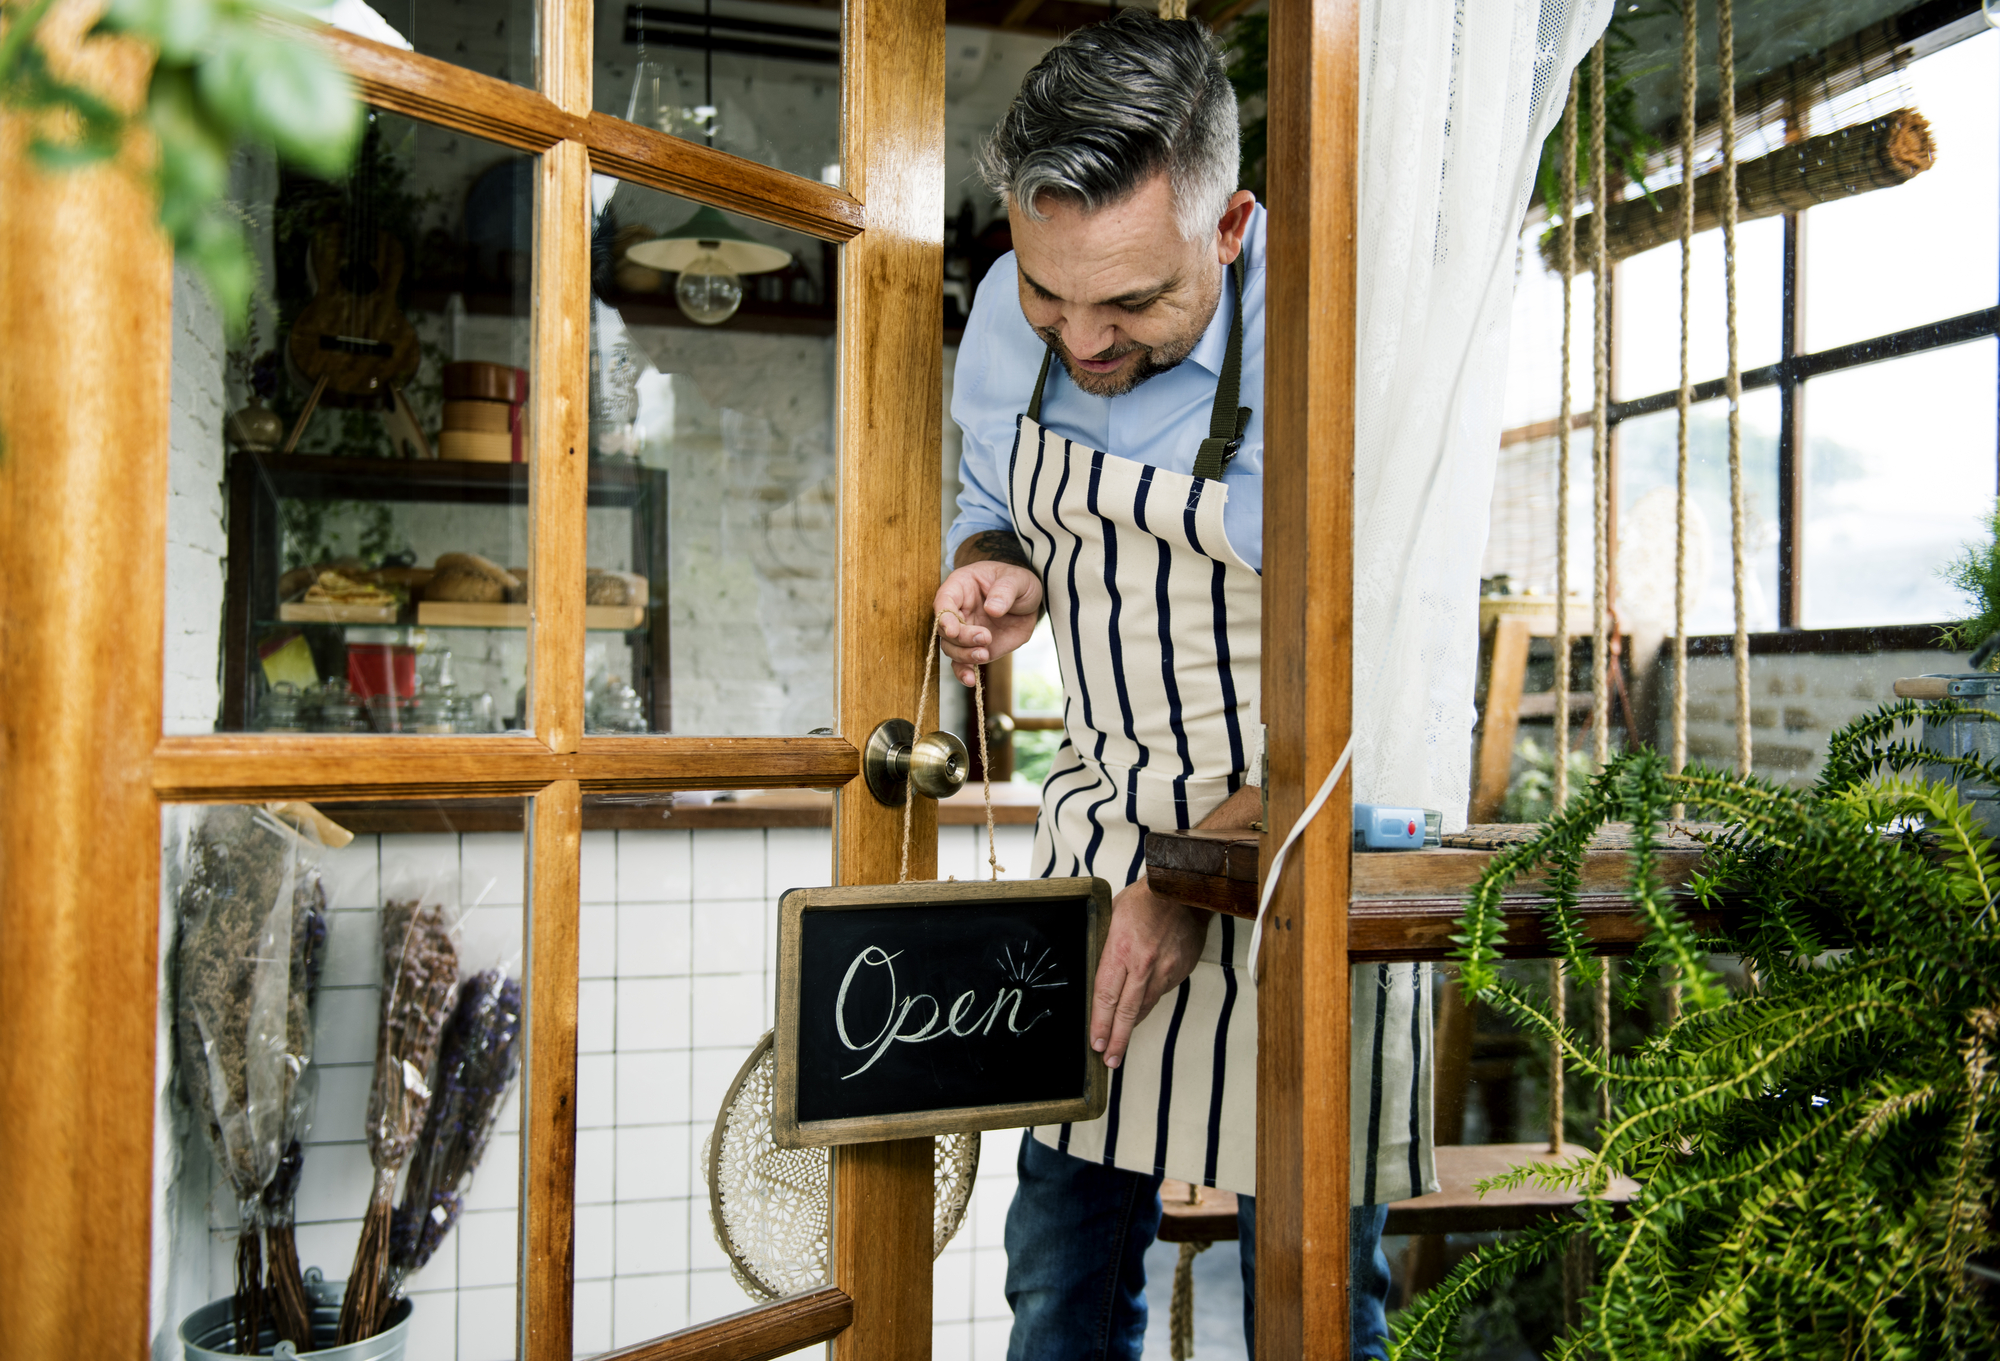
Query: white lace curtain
x=1456 y=99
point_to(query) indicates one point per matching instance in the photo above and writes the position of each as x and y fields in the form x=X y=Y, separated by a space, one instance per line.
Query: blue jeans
x=1077 y=1235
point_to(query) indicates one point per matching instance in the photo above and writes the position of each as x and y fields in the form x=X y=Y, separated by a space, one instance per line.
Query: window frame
x=889 y=339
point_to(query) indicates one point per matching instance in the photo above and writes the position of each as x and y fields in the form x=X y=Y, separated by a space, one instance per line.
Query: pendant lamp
x=710 y=254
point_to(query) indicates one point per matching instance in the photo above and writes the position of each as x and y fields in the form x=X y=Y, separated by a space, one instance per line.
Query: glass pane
x=1646 y=478
x=280 y=957
x=713 y=496
x=1925 y=250
x=1649 y=309
x=347 y=548
x=1534 y=351
x=761 y=81
x=493 y=37
x=1899 y=475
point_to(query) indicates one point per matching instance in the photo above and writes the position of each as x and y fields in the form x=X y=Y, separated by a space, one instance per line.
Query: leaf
x=178 y=28
x=285 y=90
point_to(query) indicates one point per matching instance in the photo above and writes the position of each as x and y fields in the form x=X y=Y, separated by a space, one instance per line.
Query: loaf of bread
x=613 y=588
x=463 y=584
x=470 y=578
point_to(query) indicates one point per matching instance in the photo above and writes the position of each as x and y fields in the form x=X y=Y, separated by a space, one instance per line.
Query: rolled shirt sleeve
x=984 y=405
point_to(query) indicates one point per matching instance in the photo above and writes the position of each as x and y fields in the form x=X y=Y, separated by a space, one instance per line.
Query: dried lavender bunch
x=284 y=1285
x=477 y=1063
x=419 y=973
x=232 y=1018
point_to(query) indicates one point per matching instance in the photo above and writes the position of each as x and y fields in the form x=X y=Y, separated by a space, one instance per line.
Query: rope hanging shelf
x=1879 y=154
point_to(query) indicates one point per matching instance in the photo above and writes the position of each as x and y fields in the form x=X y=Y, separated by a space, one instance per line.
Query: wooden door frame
x=1303 y=1000
x=84 y=767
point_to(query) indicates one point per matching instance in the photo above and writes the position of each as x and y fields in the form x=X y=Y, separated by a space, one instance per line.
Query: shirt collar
x=1213 y=347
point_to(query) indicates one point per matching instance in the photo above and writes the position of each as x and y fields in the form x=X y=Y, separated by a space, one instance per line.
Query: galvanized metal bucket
x=1963 y=735
x=209 y=1333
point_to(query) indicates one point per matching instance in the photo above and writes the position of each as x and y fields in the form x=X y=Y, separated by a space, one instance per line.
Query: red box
x=381 y=669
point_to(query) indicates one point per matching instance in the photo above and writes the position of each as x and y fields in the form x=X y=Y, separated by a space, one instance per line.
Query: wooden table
x=1405 y=903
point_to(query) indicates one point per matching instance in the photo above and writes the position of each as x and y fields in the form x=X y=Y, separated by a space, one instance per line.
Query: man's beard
x=1153 y=360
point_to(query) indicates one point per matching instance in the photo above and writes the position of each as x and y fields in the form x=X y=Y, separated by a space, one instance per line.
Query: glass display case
x=398 y=658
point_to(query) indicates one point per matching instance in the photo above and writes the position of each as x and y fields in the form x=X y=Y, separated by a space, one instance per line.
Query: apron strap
x=1226 y=421
x=1041 y=381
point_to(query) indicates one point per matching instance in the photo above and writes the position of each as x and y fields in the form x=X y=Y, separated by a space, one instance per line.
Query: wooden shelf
x=1405 y=904
x=317 y=477
x=1456 y=1207
x=331 y=612
x=1014 y=805
x=471 y=615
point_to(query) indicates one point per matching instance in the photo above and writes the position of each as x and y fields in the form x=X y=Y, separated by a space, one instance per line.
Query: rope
x=985 y=766
x=1557 y=1009
x=1600 y=437
x=985 y=770
x=1685 y=402
x=1560 y=794
x=1180 y=1314
x=1604 y=1043
x=1725 y=57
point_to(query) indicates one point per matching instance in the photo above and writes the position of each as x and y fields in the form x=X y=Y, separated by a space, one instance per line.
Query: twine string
x=985 y=768
x=1560 y=794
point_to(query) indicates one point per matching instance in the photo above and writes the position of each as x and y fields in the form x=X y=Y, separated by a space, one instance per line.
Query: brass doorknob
x=896 y=758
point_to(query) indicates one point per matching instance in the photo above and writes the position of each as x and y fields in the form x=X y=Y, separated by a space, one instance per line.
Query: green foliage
x=1818 y=1156
x=1627 y=144
x=1531 y=794
x=1976 y=573
x=1248 y=45
x=227 y=72
x=326 y=531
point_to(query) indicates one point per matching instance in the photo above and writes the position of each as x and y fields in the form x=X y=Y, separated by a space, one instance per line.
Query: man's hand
x=1152 y=947
x=990 y=603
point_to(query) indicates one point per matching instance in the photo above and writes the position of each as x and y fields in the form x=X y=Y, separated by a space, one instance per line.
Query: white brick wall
x=1796 y=704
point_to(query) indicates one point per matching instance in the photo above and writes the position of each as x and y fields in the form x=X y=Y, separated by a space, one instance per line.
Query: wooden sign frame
x=788 y=1131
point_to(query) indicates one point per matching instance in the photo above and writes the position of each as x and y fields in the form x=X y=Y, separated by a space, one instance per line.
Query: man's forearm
x=1237 y=811
x=992 y=545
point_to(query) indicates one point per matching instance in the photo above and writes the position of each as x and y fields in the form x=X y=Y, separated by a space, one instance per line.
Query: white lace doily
x=768 y=1205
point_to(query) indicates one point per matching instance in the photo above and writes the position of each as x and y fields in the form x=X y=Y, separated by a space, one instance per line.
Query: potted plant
x=1817 y=1153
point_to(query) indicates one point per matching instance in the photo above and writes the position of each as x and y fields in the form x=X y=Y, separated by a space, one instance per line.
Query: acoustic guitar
x=352 y=338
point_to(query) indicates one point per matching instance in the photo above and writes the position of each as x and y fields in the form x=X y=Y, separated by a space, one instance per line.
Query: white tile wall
x=677 y=959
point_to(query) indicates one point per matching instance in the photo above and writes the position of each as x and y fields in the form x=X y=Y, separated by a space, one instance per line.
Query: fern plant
x=1817 y=1156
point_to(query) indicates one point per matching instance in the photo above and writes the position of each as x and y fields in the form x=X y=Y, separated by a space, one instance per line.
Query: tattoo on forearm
x=995 y=545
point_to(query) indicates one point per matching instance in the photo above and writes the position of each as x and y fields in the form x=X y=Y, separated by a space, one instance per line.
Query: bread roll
x=613 y=588
x=464 y=584
x=473 y=562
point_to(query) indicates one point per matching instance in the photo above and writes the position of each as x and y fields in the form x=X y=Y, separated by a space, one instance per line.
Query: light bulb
x=708 y=291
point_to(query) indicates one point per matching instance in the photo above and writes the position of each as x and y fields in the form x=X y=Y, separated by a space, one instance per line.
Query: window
x=1866 y=342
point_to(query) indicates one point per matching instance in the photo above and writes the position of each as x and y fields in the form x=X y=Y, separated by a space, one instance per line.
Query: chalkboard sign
x=935 y=1008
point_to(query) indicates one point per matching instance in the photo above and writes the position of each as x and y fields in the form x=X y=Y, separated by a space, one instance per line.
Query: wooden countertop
x=1404 y=903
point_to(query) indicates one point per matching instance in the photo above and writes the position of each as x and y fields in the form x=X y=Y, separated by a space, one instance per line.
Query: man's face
x=1120 y=294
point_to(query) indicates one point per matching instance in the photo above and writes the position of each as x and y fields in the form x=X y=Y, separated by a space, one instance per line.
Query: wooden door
x=83 y=500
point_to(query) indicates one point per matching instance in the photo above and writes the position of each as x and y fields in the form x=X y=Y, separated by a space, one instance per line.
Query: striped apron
x=1157 y=622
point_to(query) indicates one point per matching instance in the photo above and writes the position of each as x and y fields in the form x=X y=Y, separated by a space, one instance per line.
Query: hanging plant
x=1818 y=1156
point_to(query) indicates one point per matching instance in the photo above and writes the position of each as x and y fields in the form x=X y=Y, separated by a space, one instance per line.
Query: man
x=1108 y=388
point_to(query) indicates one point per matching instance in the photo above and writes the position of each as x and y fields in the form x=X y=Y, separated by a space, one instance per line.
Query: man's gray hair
x=1113 y=105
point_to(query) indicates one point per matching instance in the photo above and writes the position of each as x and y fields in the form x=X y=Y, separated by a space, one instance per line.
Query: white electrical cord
x=1278 y=860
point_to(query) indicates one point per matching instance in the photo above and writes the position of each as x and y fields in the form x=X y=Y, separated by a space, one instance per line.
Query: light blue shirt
x=1161 y=422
